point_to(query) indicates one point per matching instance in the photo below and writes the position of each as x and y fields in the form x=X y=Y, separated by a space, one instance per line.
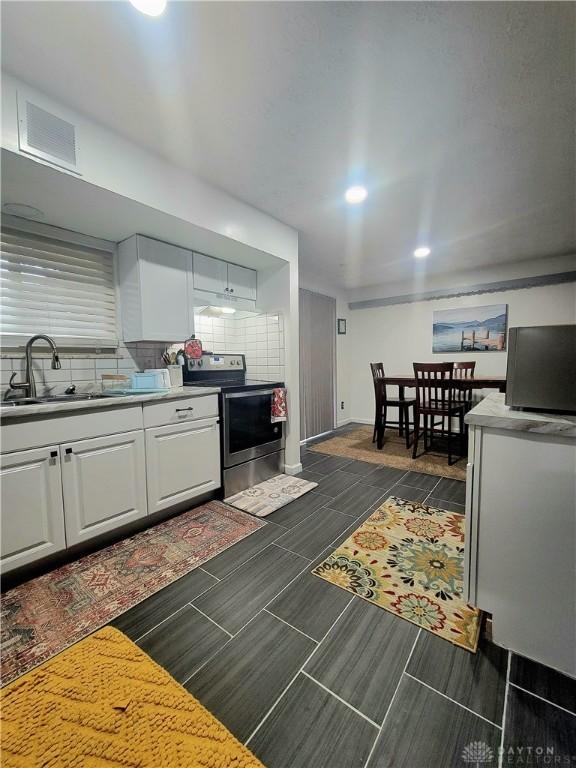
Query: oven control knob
x=200 y=363
x=191 y=363
x=232 y=362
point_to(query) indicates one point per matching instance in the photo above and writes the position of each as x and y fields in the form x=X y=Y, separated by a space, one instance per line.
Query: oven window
x=249 y=422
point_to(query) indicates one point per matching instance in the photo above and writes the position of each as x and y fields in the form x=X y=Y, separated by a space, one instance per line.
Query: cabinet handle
x=231 y=290
x=184 y=409
x=53 y=454
x=68 y=451
x=226 y=289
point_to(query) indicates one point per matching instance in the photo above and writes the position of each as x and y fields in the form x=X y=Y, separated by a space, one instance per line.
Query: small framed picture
x=341 y=327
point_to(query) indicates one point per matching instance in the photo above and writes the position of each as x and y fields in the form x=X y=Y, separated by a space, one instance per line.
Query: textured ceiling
x=458 y=117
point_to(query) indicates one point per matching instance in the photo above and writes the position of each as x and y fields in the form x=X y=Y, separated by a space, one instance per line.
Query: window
x=60 y=287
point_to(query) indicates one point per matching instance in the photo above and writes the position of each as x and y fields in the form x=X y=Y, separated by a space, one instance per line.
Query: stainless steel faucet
x=29 y=386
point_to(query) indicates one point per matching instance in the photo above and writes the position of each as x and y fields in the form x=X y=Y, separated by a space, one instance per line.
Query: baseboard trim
x=292 y=469
x=343 y=422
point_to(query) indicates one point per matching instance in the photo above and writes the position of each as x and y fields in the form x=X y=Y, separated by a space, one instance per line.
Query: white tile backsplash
x=260 y=338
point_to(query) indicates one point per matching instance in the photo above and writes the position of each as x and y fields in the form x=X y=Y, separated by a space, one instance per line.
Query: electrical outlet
x=342 y=405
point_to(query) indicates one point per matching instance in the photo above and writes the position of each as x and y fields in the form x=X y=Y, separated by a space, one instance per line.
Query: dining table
x=475 y=382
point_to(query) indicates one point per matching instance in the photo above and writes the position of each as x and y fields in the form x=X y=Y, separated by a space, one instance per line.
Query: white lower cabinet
x=74 y=490
x=32 y=510
x=104 y=483
x=182 y=462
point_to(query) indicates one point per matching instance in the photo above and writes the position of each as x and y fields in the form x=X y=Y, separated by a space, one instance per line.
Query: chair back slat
x=464 y=371
x=434 y=385
x=377 y=379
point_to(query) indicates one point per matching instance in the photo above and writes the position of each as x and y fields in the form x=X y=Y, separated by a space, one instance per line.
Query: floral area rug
x=272 y=494
x=358 y=444
x=408 y=558
x=44 y=616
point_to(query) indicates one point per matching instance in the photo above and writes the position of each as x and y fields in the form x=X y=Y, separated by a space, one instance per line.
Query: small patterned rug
x=408 y=558
x=358 y=445
x=267 y=497
x=104 y=702
x=45 y=615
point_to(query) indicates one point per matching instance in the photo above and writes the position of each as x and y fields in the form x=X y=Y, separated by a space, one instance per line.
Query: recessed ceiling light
x=355 y=195
x=421 y=253
x=150 y=7
x=227 y=310
x=22 y=210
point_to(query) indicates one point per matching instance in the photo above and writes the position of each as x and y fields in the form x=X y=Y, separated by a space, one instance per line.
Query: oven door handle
x=248 y=393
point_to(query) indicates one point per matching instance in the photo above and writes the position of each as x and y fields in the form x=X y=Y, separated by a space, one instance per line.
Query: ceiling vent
x=46 y=135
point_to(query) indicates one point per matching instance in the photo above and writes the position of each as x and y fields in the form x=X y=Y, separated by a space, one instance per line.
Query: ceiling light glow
x=227 y=310
x=355 y=195
x=422 y=252
x=150 y=7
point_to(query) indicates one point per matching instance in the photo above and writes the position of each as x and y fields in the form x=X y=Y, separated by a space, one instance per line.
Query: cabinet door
x=164 y=292
x=210 y=274
x=182 y=461
x=104 y=484
x=32 y=514
x=241 y=282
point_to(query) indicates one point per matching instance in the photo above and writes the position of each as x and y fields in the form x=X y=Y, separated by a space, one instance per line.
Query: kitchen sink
x=49 y=399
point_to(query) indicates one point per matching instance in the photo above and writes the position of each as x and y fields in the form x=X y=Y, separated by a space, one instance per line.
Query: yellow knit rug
x=103 y=702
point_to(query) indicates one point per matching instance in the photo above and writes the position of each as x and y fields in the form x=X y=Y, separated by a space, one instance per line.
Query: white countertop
x=112 y=401
x=493 y=412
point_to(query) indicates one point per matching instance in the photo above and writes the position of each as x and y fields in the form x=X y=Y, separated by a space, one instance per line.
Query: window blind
x=51 y=286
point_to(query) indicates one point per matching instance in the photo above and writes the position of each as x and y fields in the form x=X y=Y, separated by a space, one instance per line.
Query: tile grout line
x=223 y=578
x=174 y=612
x=432 y=489
x=251 y=620
x=392 y=700
x=340 y=699
x=265 y=610
x=212 y=620
x=504 y=711
x=220 y=553
x=541 y=698
x=444 y=696
x=289 y=550
x=281 y=696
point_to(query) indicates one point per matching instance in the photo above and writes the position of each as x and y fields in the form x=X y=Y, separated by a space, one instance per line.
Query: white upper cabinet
x=229 y=281
x=154 y=290
x=210 y=274
x=242 y=282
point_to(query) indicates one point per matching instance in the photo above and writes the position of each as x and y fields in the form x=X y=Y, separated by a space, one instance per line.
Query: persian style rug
x=408 y=558
x=266 y=497
x=45 y=615
x=358 y=445
x=105 y=702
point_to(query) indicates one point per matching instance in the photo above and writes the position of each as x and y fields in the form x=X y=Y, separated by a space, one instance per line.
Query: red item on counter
x=193 y=348
x=279 y=406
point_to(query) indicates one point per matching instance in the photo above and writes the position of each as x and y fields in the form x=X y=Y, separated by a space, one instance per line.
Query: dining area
x=426 y=408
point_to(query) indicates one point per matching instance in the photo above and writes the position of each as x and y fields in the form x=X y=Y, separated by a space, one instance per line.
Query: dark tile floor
x=310 y=676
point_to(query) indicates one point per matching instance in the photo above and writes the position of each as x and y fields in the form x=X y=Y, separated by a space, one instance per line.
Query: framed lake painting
x=470 y=329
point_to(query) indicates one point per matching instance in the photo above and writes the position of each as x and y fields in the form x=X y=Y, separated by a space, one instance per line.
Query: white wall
x=423 y=281
x=402 y=334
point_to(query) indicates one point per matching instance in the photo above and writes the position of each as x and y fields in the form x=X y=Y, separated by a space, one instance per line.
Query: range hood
x=231 y=313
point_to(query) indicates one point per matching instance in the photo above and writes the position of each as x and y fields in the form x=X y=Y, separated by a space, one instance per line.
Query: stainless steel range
x=252 y=446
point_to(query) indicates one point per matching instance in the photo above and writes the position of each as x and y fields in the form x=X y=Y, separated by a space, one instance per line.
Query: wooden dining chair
x=383 y=402
x=461 y=394
x=435 y=399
